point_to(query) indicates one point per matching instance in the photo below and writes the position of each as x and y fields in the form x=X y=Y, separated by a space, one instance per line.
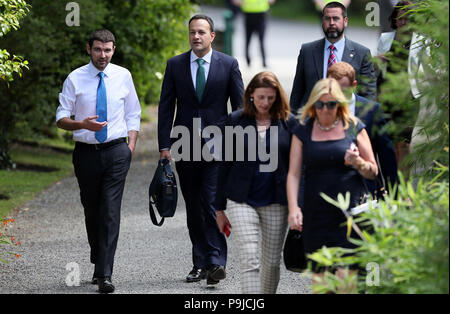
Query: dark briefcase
x=163 y=193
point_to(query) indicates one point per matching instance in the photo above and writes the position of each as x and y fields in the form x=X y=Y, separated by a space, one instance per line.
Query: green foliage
x=154 y=32
x=11 y=11
x=6 y=241
x=409 y=242
x=429 y=19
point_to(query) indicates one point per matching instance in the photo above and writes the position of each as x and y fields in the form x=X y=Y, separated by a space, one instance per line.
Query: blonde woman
x=334 y=149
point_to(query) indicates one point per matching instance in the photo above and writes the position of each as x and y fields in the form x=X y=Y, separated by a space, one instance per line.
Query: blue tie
x=101 y=109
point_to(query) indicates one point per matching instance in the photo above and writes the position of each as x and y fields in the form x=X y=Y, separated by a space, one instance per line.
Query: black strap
x=153 y=216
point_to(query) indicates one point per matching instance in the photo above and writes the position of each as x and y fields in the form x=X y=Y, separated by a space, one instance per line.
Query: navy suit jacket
x=371 y=114
x=310 y=70
x=235 y=177
x=224 y=82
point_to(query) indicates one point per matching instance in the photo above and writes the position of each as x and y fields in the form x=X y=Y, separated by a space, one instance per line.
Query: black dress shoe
x=215 y=273
x=196 y=274
x=94 y=280
x=105 y=285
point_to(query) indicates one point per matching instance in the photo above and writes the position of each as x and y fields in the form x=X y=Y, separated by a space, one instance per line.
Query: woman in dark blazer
x=252 y=188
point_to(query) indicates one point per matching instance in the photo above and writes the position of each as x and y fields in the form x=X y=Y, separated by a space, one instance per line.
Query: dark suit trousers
x=198 y=182
x=255 y=22
x=101 y=177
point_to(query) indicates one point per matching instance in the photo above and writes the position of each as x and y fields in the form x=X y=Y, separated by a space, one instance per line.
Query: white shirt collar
x=352 y=104
x=94 y=71
x=206 y=57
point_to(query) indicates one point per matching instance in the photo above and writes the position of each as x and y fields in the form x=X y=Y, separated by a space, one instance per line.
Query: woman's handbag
x=294 y=252
x=163 y=193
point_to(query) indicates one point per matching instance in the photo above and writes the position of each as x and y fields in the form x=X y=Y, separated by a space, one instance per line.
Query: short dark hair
x=203 y=17
x=335 y=4
x=102 y=35
x=397 y=8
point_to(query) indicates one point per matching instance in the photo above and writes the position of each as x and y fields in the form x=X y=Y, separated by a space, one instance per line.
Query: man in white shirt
x=99 y=104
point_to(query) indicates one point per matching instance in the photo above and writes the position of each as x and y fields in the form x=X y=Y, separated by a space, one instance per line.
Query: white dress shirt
x=79 y=97
x=339 y=52
x=194 y=66
x=352 y=104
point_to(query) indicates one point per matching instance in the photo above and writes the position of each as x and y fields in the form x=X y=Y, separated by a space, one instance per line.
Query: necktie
x=200 y=80
x=101 y=109
x=332 y=59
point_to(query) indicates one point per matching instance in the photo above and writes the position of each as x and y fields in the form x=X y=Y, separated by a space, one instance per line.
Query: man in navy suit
x=371 y=114
x=315 y=58
x=198 y=84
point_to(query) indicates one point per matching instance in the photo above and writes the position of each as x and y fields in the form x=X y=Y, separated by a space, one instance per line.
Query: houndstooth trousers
x=249 y=224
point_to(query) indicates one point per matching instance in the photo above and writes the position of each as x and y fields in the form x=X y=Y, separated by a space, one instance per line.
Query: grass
x=21 y=186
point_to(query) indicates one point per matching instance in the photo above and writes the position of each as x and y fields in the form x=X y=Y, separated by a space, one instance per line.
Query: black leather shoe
x=105 y=285
x=215 y=273
x=94 y=280
x=196 y=274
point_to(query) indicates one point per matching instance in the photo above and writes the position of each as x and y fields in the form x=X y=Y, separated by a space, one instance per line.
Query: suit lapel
x=213 y=68
x=318 y=58
x=349 y=52
x=188 y=74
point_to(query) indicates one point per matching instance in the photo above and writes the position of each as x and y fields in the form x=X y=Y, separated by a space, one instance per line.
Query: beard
x=333 y=34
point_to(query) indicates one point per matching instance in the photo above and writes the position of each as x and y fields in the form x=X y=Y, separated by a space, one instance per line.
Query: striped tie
x=332 y=59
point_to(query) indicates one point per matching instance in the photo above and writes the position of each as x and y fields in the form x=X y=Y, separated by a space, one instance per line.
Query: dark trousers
x=198 y=182
x=255 y=22
x=101 y=177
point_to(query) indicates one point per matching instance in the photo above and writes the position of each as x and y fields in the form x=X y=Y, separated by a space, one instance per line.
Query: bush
x=408 y=250
x=11 y=11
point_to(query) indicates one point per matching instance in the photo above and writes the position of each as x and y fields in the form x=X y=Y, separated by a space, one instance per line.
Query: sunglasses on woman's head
x=330 y=104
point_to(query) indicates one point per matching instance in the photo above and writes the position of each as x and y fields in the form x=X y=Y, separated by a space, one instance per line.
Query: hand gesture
x=351 y=155
x=91 y=124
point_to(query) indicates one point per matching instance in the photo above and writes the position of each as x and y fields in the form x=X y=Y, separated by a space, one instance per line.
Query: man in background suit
x=372 y=116
x=198 y=84
x=315 y=57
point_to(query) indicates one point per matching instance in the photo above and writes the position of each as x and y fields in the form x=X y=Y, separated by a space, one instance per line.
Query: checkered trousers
x=249 y=225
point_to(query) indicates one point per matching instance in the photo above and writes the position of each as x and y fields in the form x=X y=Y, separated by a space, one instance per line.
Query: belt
x=101 y=145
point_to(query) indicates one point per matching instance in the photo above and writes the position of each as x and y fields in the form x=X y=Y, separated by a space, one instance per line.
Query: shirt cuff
x=62 y=114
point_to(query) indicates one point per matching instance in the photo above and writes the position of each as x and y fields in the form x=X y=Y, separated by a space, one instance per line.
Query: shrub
x=409 y=244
